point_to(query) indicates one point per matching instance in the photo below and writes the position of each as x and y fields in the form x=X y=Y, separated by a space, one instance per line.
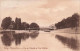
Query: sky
x=42 y=12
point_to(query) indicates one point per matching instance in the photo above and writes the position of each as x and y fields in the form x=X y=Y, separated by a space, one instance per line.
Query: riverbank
x=68 y=30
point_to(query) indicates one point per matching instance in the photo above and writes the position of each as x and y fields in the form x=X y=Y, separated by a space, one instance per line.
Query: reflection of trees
x=17 y=38
x=6 y=40
x=9 y=36
x=70 y=42
x=34 y=34
x=20 y=36
x=25 y=36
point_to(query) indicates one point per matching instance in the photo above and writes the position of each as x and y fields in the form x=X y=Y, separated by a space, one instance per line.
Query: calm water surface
x=40 y=39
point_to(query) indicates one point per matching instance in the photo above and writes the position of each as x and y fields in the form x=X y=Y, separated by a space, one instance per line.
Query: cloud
x=44 y=12
x=21 y=3
x=59 y=8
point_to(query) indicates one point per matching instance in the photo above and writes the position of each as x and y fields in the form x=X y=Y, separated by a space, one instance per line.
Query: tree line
x=8 y=23
x=69 y=22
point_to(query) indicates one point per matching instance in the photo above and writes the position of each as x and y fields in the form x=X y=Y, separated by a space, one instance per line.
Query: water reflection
x=10 y=36
x=70 y=42
x=6 y=40
x=34 y=34
x=20 y=36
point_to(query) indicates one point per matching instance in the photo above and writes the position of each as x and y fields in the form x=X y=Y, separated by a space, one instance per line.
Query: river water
x=39 y=41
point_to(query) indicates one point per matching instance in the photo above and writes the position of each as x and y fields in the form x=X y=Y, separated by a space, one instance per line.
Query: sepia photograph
x=39 y=25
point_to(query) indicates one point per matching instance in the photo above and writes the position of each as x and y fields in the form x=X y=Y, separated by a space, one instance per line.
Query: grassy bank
x=68 y=30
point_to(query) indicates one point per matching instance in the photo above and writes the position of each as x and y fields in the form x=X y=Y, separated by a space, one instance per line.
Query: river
x=39 y=41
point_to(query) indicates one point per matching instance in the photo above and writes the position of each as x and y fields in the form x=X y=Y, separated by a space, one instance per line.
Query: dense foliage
x=70 y=22
x=34 y=26
x=7 y=23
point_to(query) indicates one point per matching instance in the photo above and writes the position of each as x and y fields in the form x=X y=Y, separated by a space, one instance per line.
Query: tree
x=18 y=23
x=70 y=22
x=24 y=26
x=6 y=22
x=34 y=26
x=75 y=20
